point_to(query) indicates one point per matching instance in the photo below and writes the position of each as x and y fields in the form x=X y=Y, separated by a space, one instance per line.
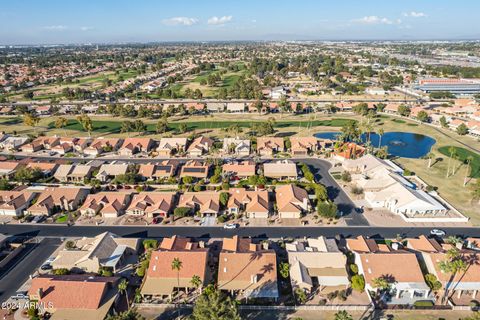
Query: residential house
x=247 y=270
x=40 y=143
x=161 y=280
x=170 y=146
x=106 y=204
x=241 y=170
x=236 y=146
x=399 y=267
x=254 y=203
x=132 y=146
x=195 y=169
x=317 y=263
x=13 y=203
x=157 y=171
x=268 y=146
x=461 y=287
x=151 y=204
x=110 y=171
x=104 y=251
x=292 y=201
x=47 y=168
x=282 y=170
x=8 y=168
x=12 y=143
x=236 y=107
x=199 y=146
x=303 y=146
x=101 y=145
x=64 y=198
x=75 y=297
x=70 y=173
x=349 y=150
x=204 y=202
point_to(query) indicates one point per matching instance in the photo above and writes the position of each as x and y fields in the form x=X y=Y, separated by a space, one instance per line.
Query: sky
x=114 y=21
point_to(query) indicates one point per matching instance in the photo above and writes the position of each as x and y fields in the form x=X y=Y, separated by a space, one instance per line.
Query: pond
x=399 y=144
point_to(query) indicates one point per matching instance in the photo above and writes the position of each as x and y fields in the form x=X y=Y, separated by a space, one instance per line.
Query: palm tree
x=177 y=265
x=453 y=264
x=196 y=281
x=430 y=157
x=122 y=289
x=452 y=151
x=381 y=132
x=468 y=171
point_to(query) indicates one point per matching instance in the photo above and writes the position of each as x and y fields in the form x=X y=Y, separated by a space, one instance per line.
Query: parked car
x=20 y=296
x=38 y=219
x=438 y=232
x=230 y=226
x=46 y=266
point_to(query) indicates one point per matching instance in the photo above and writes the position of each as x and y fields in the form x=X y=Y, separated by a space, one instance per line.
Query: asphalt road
x=58 y=231
x=25 y=265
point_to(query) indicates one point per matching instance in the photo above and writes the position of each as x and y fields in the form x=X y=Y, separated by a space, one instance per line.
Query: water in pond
x=399 y=144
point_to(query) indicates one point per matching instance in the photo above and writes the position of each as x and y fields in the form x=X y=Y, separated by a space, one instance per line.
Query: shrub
x=356 y=190
x=354 y=268
x=346 y=176
x=433 y=282
x=150 y=244
x=61 y=271
x=358 y=283
x=300 y=296
x=181 y=212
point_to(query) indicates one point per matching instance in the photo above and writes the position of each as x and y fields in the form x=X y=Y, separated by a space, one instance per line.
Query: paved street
x=218 y=232
x=25 y=265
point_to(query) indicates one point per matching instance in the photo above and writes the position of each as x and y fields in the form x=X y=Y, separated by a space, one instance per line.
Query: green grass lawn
x=462 y=155
x=61 y=219
x=105 y=126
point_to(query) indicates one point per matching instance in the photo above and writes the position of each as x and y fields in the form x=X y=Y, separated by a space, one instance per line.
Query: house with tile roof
x=90 y=254
x=162 y=281
x=52 y=199
x=152 y=204
x=199 y=146
x=106 y=204
x=41 y=143
x=195 y=169
x=399 y=267
x=317 y=263
x=110 y=171
x=75 y=297
x=12 y=143
x=247 y=270
x=158 y=171
x=101 y=145
x=254 y=203
x=281 y=170
x=242 y=170
x=292 y=201
x=204 y=202
x=236 y=146
x=461 y=287
x=73 y=173
x=303 y=146
x=170 y=146
x=132 y=146
x=47 y=168
x=14 y=203
x=8 y=168
x=268 y=146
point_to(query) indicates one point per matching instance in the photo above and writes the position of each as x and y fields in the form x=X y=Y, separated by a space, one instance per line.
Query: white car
x=230 y=226
x=437 y=232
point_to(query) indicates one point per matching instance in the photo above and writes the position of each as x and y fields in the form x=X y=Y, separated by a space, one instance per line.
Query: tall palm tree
x=453 y=264
x=452 y=151
x=122 y=289
x=381 y=132
x=430 y=157
x=468 y=171
x=177 y=265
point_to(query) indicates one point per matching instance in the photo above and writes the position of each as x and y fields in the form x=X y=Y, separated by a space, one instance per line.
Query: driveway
x=335 y=192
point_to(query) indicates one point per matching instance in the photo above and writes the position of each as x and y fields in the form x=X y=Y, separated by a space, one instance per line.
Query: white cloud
x=414 y=14
x=219 y=20
x=55 y=28
x=86 y=28
x=180 y=21
x=377 y=20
